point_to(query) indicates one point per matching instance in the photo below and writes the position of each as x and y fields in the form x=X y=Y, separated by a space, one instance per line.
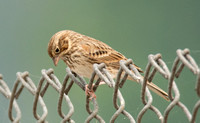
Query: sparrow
x=80 y=52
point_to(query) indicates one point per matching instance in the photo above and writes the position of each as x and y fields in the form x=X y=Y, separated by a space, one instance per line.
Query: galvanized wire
x=100 y=76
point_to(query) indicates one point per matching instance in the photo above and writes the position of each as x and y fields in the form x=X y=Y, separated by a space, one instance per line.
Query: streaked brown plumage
x=80 y=52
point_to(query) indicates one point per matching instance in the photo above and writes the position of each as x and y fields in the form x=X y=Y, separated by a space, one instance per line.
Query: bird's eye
x=57 y=50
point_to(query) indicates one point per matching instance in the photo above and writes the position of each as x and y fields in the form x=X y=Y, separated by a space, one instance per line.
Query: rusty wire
x=155 y=66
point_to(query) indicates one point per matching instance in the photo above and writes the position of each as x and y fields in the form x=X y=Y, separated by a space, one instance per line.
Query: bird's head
x=59 y=45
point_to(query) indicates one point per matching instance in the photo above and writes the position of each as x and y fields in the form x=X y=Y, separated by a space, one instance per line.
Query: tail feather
x=155 y=89
x=158 y=90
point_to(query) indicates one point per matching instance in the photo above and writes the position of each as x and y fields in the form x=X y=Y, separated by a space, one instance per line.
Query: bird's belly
x=83 y=70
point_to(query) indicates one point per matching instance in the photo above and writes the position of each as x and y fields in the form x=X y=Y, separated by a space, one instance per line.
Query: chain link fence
x=155 y=65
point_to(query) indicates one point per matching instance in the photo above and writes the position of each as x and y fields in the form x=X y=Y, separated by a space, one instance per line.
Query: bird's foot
x=89 y=92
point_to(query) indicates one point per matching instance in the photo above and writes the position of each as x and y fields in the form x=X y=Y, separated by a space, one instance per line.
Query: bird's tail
x=157 y=90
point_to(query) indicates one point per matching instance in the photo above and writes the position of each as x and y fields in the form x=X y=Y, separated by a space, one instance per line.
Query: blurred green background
x=135 y=28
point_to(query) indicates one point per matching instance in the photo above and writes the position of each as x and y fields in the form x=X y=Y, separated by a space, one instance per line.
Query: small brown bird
x=80 y=52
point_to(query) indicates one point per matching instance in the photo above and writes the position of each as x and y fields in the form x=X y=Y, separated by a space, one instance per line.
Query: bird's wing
x=98 y=52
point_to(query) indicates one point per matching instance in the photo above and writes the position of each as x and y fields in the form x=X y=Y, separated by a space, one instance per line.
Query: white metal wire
x=155 y=63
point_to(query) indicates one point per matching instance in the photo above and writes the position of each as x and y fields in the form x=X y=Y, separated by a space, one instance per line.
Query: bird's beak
x=55 y=60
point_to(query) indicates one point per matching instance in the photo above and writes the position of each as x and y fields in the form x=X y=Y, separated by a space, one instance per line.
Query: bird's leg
x=89 y=92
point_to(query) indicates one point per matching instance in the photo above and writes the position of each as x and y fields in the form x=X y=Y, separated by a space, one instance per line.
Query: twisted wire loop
x=82 y=84
x=148 y=77
x=130 y=70
x=117 y=94
x=100 y=76
x=26 y=82
x=162 y=68
x=185 y=58
x=103 y=75
x=65 y=89
x=51 y=79
x=93 y=87
x=4 y=89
